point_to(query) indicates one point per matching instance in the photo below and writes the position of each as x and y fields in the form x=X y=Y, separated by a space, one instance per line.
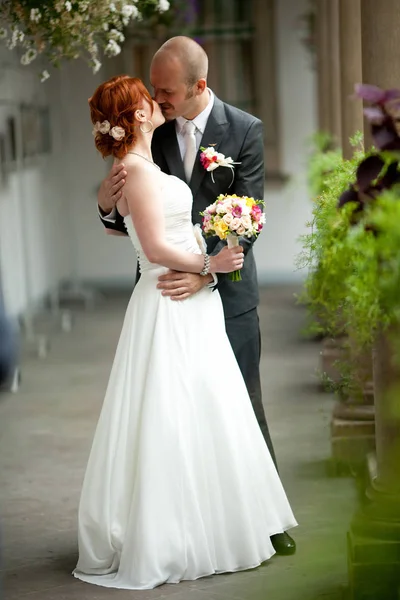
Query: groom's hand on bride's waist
x=180 y=286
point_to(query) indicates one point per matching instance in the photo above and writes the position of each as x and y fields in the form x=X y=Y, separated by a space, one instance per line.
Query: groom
x=196 y=117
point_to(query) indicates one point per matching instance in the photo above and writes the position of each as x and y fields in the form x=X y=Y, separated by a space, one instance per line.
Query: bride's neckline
x=145 y=158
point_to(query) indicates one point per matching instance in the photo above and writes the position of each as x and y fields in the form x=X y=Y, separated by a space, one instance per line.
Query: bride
x=180 y=483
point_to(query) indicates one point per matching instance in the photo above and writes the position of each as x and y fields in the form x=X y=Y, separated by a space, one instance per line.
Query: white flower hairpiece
x=118 y=133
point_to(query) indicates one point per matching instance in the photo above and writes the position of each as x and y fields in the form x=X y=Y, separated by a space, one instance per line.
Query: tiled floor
x=45 y=435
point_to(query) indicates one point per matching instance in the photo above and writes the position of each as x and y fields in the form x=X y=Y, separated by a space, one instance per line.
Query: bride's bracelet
x=206 y=268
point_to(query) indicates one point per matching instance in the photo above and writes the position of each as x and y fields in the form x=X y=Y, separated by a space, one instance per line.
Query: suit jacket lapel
x=170 y=148
x=216 y=128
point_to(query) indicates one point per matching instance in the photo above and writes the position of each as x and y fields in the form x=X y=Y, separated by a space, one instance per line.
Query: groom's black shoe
x=283 y=543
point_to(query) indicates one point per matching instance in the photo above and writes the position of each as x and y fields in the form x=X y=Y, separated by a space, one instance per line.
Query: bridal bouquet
x=232 y=216
x=68 y=29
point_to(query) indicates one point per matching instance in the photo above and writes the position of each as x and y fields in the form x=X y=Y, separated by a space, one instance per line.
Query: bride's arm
x=145 y=202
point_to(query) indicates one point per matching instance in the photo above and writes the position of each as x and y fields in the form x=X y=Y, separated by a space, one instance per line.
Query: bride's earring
x=146 y=130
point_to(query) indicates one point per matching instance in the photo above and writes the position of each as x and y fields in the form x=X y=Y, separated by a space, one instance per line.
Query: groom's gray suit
x=239 y=135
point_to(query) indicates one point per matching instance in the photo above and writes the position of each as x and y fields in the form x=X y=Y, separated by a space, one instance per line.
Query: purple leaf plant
x=379 y=170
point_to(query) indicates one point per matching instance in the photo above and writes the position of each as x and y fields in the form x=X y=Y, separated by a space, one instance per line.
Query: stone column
x=334 y=71
x=266 y=82
x=352 y=424
x=323 y=85
x=328 y=67
x=380 y=34
x=374 y=536
x=350 y=71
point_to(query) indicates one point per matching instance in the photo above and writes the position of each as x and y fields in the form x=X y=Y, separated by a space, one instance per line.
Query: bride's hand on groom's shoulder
x=180 y=286
x=111 y=188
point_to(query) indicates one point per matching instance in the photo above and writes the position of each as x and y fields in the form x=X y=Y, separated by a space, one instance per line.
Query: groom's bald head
x=188 y=54
x=178 y=74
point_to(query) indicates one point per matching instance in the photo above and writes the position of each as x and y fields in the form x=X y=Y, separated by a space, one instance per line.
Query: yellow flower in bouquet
x=221 y=229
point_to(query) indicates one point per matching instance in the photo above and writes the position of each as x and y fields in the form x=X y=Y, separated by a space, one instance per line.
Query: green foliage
x=323 y=160
x=324 y=249
x=353 y=258
x=374 y=287
x=362 y=310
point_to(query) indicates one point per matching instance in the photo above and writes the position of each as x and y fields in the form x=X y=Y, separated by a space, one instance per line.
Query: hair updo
x=116 y=101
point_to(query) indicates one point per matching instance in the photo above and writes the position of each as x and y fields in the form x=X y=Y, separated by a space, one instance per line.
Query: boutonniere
x=211 y=160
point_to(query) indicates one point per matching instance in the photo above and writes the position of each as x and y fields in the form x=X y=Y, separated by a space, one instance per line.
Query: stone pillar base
x=352 y=435
x=373 y=566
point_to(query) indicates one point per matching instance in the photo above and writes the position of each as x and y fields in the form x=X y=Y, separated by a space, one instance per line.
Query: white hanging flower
x=17 y=36
x=112 y=48
x=93 y=49
x=129 y=11
x=44 y=76
x=28 y=57
x=67 y=28
x=35 y=15
x=96 y=66
x=163 y=5
x=118 y=133
x=116 y=35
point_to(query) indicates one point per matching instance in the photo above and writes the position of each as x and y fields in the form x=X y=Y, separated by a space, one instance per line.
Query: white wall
x=32 y=241
x=289 y=208
x=95 y=255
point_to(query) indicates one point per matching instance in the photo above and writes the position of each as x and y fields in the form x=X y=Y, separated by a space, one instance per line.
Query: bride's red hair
x=116 y=101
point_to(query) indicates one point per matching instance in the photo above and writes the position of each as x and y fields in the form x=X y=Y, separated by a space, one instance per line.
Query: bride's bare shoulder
x=139 y=164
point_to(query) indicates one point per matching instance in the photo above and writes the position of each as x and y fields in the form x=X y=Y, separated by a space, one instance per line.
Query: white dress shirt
x=200 y=122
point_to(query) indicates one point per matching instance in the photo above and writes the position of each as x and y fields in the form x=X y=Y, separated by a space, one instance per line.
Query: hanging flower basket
x=68 y=29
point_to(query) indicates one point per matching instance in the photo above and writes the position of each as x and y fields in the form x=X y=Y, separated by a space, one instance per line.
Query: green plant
x=353 y=249
x=324 y=248
x=373 y=286
x=68 y=29
x=323 y=160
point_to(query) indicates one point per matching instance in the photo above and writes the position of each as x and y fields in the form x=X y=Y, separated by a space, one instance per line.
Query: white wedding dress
x=180 y=483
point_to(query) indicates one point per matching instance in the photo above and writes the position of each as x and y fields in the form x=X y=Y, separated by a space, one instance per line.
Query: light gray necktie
x=190 y=148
